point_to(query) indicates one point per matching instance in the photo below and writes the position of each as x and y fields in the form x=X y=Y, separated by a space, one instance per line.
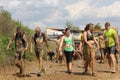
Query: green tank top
x=68 y=43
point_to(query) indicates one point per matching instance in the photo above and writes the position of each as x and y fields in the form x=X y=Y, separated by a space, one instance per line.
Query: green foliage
x=7 y=29
x=4 y=55
x=98 y=26
x=7 y=24
x=71 y=26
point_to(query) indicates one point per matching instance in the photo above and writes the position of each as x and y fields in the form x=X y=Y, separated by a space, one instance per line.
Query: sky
x=55 y=13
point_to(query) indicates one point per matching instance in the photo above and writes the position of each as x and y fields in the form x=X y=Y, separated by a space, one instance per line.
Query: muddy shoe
x=110 y=71
x=84 y=73
x=16 y=74
x=113 y=71
x=69 y=72
x=56 y=61
x=94 y=74
x=39 y=75
x=117 y=61
x=28 y=75
x=21 y=75
x=42 y=71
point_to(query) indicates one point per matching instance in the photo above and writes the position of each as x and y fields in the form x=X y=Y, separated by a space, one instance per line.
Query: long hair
x=87 y=26
x=67 y=29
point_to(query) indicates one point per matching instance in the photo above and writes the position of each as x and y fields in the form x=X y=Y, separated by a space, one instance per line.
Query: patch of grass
x=7 y=57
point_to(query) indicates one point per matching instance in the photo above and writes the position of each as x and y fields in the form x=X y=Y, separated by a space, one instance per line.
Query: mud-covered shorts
x=39 y=52
x=19 y=54
x=87 y=50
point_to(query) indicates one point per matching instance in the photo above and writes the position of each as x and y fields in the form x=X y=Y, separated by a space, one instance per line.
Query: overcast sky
x=55 y=13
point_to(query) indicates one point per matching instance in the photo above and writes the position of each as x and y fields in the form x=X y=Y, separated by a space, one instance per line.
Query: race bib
x=39 y=41
x=67 y=45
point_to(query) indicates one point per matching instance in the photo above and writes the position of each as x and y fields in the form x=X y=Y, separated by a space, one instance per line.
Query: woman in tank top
x=67 y=41
x=90 y=49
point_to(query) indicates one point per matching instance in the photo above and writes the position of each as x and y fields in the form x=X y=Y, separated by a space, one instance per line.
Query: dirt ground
x=55 y=71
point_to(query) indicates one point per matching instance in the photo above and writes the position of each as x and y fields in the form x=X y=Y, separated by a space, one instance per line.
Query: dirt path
x=55 y=71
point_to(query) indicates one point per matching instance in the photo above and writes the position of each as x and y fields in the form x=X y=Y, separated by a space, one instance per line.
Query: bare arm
x=115 y=34
x=80 y=47
x=96 y=42
x=11 y=41
x=46 y=41
x=73 y=41
x=117 y=40
x=61 y=43
x=26 y=42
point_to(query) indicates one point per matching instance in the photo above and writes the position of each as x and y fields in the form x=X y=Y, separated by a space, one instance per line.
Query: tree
x=98 y=26
x=71 y=26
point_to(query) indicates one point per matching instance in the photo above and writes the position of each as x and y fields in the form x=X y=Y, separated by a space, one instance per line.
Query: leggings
x=68 y=55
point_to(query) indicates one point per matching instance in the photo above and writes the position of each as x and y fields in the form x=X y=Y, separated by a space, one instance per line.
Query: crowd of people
x=107 y=43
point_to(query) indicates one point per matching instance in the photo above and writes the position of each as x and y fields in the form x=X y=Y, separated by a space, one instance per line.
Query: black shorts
x=111 y=50
x=116 y=51
x=68 y=55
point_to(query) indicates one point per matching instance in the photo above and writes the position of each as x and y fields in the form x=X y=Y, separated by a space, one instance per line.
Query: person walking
x=21 y=45
x=112 y=43
x=39 y=40
x=67 y=42
x=89 y=49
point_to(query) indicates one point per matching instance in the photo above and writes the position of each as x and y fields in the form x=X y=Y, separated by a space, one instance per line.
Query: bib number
x=67 y=45
x=39 y=41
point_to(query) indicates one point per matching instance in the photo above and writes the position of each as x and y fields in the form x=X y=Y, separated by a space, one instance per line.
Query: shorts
x=68 y=55
x=20 y=55
x=116 y=51
x=87 y=50
x=39 y=53
x=111 y=50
